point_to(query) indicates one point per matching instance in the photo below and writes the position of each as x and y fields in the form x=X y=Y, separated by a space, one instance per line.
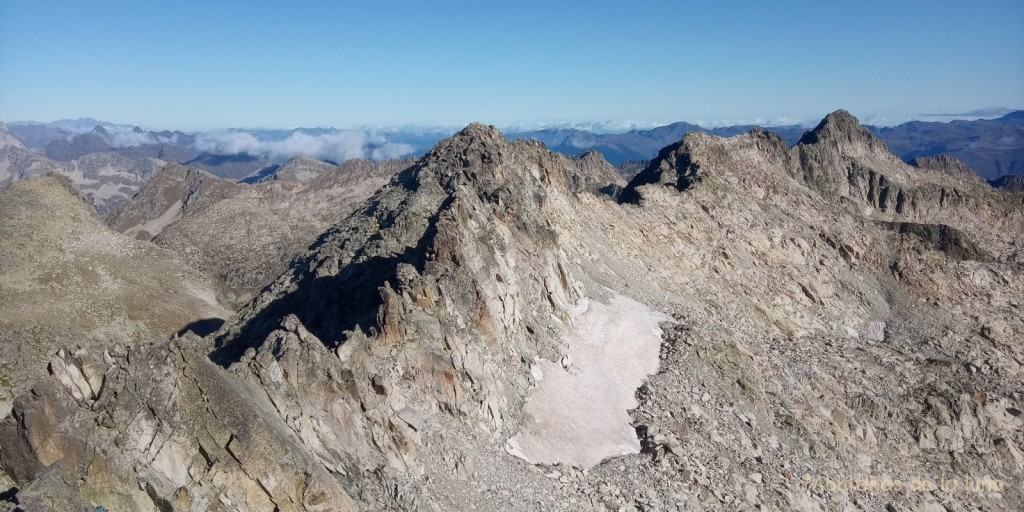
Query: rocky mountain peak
x=481 y=159
x=591 y=155
x=702 y=155
x=843 y=130
x=480 y=130
x=299 y=159
x=839 y=125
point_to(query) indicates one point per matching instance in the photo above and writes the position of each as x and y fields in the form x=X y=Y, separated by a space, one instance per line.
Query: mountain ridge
x=483 y=324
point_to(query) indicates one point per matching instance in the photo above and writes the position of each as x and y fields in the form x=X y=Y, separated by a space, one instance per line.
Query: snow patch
x=578 y=414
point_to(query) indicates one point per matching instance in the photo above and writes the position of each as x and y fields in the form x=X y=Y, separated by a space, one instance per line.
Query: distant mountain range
x=991 y=147
x=638 y=144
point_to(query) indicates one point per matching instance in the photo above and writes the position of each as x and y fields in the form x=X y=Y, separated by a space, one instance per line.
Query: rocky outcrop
x=595 y=174
x=156 y=428
x=686 y=162
x=17 y=162
x=946 y=163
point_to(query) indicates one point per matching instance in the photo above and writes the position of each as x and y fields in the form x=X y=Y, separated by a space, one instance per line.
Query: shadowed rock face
x=1009 y=182
x=817 y=331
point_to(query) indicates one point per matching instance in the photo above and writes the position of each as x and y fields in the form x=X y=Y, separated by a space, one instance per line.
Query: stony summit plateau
x=744 y=323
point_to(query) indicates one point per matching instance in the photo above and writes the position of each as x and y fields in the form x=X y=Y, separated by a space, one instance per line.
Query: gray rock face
x=596 y=174
x=178 y=433
x=17 y=162
x=819 y=336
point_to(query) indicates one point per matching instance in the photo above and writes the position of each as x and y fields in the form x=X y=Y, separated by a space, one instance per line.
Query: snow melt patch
x=577 y=414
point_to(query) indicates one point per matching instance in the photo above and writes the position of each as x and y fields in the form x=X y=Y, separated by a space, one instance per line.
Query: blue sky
x=215 y=64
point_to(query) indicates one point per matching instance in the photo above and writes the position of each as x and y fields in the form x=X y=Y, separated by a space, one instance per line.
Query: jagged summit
x=482 y=131
x=477 y=176
x=837 y=125
x=597 y=176
x=844 y=130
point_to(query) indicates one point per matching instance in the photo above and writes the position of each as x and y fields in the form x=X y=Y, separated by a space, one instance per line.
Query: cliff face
x=748 y=325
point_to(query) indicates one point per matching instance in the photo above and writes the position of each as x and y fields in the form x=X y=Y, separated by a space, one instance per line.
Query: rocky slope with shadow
x=832 y=329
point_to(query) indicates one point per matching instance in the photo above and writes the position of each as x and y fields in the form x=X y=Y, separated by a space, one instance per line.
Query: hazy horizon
x=196 y=66
x=596 y=126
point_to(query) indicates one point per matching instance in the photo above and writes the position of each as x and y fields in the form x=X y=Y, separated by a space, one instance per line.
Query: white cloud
x=126 y=137
x=599 y=127
x=756 y=121
x=390 y=150
x=336 y=146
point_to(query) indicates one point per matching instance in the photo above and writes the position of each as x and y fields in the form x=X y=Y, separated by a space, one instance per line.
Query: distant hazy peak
x=6 y=139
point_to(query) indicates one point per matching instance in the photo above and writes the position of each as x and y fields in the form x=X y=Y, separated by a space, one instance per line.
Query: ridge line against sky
x=196 y=66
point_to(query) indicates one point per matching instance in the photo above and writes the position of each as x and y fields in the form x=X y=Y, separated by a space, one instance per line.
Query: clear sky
x=215 y=64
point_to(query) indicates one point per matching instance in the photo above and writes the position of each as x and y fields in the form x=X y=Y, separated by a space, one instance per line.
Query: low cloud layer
x=127 y=138
x=336 y=146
